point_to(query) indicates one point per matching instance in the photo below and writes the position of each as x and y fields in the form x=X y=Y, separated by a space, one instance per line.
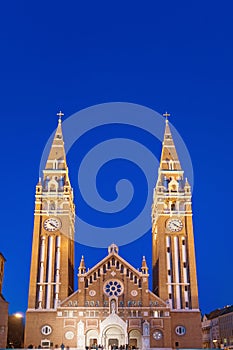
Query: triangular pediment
x=117 y=260
x=113 y=320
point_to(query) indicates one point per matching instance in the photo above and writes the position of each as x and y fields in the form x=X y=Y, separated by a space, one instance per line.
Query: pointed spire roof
x=144 y=267
x=57 y=152
x=144 y=264
x=82 y=267
x=169 y=158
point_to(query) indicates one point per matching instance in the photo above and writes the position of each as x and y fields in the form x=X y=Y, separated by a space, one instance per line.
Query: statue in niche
x=80 y=328
x=113 y=306
x=146 y=328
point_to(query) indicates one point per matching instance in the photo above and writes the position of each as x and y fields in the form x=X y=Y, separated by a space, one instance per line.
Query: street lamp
x=16 y=330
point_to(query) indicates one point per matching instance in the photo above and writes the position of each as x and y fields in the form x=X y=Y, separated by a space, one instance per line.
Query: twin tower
x=166 y=317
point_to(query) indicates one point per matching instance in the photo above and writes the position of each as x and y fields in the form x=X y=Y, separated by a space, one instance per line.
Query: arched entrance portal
x=113 y=332
x=135 y=339
x=92 y=338
x=114 y=337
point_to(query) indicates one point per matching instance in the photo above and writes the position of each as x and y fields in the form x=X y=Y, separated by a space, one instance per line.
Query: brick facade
x=113 y=306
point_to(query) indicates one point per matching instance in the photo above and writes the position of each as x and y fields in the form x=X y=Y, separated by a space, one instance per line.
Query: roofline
x=90 y=271
x=67 y=298
x=162 y=301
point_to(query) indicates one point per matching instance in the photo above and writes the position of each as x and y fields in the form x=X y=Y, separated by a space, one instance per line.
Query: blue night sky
x=165 y=55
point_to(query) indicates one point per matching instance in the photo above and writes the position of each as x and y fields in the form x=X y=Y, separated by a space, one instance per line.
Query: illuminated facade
x=113 y=306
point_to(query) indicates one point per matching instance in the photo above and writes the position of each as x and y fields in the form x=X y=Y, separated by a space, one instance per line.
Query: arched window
x=45 y=205
x=52 y=185
x=173 y=185
x=171 y=165
x=55 y=164
x=173 y=206
x=52 y=205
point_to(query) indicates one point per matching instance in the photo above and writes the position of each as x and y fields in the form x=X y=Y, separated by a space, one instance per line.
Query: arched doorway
x=135 y=339
x=114 y=337
x=91 y=338
x=113 y=330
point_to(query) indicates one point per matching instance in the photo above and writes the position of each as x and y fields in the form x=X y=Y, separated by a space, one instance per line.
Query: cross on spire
x=60 y=115
x=166 y=115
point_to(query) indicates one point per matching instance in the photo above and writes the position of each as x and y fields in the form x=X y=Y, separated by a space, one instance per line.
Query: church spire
x=169 y=158
x=57 y=155
x=173 y=255
x=52 y=262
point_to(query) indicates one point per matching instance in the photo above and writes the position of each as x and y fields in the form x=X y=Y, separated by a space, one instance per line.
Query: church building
x=113 y=306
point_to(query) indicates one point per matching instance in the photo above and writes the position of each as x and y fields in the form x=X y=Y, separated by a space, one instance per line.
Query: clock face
x=52 y=224
x=157 y=335
x=174 y=225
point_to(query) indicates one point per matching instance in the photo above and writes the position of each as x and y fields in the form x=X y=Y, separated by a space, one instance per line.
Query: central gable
x=113 y=278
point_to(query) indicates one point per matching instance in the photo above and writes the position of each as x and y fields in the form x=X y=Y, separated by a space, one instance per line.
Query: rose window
x=113 y=288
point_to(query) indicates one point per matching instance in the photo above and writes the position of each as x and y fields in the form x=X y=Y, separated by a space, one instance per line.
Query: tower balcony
x=167 y=212
x=59 y=189
x=173 y=194
x=55 y=194
x=173 y=212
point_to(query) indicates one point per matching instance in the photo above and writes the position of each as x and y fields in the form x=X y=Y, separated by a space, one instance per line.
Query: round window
x=157 y=335
x=180 y=330
x=113 y=288
x=134 y=293
x=69 y=335
x=92 y=293
x=46 y=330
